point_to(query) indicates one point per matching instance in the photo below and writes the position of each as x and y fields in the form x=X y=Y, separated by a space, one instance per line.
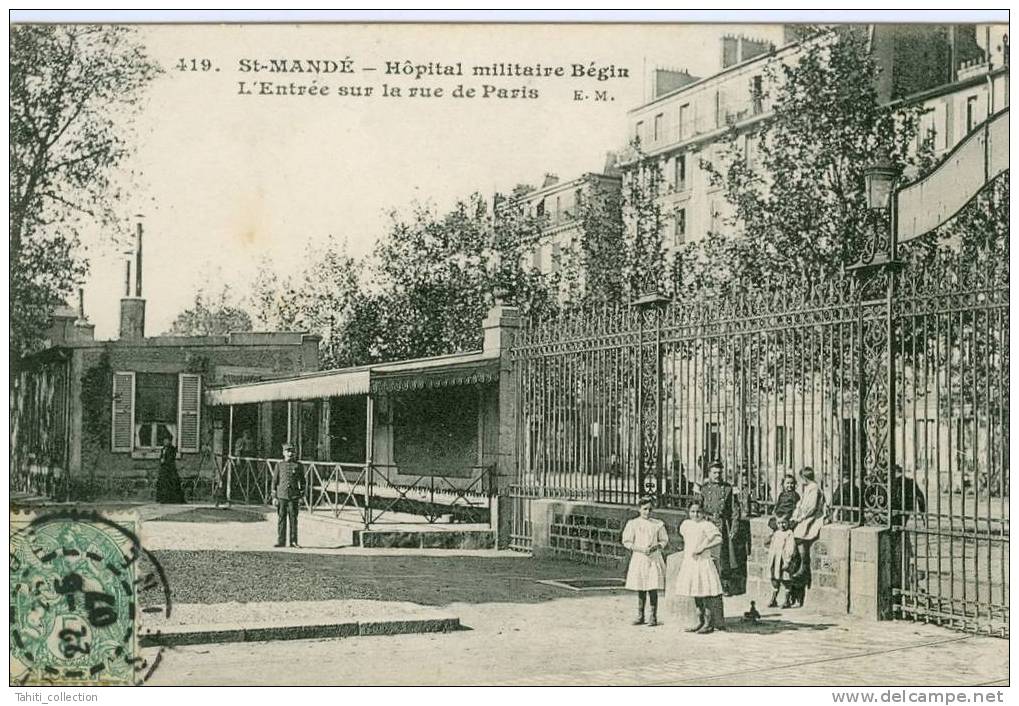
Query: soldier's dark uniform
x=287 y=488
x=722 y=507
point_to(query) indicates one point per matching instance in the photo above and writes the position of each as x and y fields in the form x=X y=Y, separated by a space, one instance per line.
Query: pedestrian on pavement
x=168 y=490
x=721 y=506
x=807 y=519
x=646 y=537
x=287 y=490
x=697 y=575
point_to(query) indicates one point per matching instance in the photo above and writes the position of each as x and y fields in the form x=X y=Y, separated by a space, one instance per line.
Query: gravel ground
x=222 y=577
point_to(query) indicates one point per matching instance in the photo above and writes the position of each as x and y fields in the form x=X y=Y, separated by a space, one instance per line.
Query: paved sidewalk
x=588 y=640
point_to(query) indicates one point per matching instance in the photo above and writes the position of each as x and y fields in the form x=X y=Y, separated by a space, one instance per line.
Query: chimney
x=83 y=330
x=132 y=309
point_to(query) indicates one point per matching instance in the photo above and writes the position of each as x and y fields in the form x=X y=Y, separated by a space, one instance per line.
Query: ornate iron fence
x=895 y=392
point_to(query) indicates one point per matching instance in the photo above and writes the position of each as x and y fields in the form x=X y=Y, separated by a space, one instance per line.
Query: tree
x=319 y=299
x=645 y=269
x=211 y=315
x=799 y=208
x=593 y=265
x=69 y=84
x=434 y=276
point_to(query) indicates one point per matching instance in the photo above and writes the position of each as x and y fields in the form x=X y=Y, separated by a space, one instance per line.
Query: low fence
x=375 y=493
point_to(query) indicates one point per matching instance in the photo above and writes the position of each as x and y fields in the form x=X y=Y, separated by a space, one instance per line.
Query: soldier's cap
x=288 y=447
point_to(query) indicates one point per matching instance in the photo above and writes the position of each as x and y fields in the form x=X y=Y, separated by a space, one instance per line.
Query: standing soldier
x=722 y=507
x=287 y=489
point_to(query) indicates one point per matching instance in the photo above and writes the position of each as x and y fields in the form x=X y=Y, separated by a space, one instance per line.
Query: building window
x=557 y=253
x=155 y=416
x=926 y=130
x=684 y=121
x=150 y=407
x=578 y=201
x=971 y=113
x=680 y=226
x=638 y=129
x=540 y=209
x=558 y=208
x=784 y=446
x=679 y=178
x=658 y=127
x=757 y=95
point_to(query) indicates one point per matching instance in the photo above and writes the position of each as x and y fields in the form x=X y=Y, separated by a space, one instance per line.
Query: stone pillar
x=870 y=573
x=500 y=329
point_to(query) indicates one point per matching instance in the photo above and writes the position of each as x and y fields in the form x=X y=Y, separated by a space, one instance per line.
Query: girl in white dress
x=646 y=537
x=698 y=576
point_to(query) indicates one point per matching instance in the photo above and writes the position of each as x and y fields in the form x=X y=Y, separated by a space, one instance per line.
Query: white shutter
x=122 y=435
x=189 y=403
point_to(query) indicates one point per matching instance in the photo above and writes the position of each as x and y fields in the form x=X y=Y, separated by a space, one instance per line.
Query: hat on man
x=288 y=446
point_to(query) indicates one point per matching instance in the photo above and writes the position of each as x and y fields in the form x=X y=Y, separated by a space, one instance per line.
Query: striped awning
x=334 y=384
x=485 y=371
x=423 y=373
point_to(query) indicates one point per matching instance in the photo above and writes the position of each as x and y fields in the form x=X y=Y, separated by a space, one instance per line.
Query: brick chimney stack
x=132 y=309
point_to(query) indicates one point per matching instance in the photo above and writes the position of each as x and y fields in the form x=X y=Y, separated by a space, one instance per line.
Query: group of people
x=796 y=524
x=715 y=545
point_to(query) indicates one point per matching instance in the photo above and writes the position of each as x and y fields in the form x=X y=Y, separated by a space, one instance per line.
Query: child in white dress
x=781 y=561
x=646 y=537
x=698 y=575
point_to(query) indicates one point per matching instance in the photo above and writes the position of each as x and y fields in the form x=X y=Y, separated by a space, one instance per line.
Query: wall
x=591 y=533
x=413 y=435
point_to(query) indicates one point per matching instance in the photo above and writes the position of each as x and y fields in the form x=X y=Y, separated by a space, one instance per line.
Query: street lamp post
x=649 y=394
x=877 y=270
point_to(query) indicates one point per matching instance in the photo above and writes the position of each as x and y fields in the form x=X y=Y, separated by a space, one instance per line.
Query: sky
x=227 y=179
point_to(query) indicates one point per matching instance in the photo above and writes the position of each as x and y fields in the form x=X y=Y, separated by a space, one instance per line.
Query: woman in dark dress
x=168 y=488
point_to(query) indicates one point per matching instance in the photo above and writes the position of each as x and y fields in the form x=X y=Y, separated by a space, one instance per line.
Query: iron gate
x=615 y=403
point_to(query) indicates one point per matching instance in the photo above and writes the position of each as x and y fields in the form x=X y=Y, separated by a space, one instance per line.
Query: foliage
x=434 y=275
x=320 y=299
x=799 y=207
x=96 y=420
x=645 y=269
x=70 y=87
x=592 y=267
x=211 y=315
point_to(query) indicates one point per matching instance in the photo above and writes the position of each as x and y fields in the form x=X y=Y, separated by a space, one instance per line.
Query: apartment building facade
x=958 y=74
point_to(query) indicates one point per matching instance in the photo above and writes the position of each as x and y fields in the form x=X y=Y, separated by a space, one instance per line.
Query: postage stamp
x=75 y=580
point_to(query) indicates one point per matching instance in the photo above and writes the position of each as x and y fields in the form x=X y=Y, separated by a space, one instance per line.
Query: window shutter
x=123 y=412
x=189 y=405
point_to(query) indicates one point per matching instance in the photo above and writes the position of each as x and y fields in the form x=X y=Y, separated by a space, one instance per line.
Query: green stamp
x=74 y=580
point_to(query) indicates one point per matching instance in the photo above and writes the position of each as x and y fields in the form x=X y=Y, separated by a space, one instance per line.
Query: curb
x=183 y=635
